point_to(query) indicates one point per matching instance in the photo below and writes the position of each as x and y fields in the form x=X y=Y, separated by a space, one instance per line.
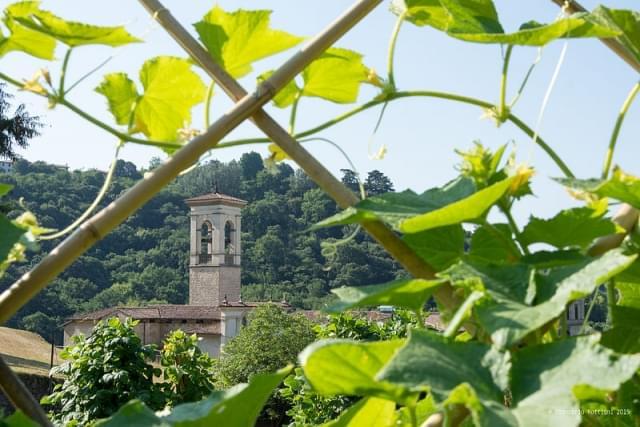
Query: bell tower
x=215 y=251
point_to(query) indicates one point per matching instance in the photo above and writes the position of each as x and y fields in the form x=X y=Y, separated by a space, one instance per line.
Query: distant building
x=6 y=166
x=215 y=311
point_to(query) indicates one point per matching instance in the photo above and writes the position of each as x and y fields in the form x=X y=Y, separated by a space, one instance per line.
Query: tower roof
x=214 y=199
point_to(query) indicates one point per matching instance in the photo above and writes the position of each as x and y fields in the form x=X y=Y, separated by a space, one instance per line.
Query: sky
x=420 y=134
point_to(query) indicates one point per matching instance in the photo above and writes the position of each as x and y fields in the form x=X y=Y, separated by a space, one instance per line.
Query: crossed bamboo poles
x=247 y=106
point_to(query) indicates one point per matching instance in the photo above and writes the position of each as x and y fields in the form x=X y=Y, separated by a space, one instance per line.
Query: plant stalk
x=18 y=294
x=503 y=110
x=63 y=72
x=611 y=300
x=20 y=396
x=616 y=129
x=392 y=50
x=207 y=105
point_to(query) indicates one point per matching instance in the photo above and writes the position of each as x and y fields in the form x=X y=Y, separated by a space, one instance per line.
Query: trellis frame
x=248 y=106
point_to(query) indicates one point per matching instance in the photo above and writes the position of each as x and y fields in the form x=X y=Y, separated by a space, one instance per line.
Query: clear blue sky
x=420 y=134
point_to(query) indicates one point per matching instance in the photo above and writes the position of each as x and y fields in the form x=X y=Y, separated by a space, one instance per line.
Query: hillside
x=146 y=258
x=26 y=352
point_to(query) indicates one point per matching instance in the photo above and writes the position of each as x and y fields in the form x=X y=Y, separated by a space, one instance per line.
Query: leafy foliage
x=103 y=372
x=187 y=371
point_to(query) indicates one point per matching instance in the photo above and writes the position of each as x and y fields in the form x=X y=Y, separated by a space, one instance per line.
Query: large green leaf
x=431 y=362
x=121 y=94
x=237 y=39
x=494 y=244
x=394 y=207
x=545 y=378
x=4 y=189
x=9 y=235
x=477 y=21
x=23 y=39
x=467 y=209
x=624 y=337
x=237 y=407
x=171 y=90
x=571 y=227
x=368 y=412
x=408 y=293
x=18 y=419
x=285 y=96
x=440 y=247
x=358 y=363
x=508 y=321
x=620 y=186
x=502 y=283
x=625 y=21
x=75 y=33
x=335 y=76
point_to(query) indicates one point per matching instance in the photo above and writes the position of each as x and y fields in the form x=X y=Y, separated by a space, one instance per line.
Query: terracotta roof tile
x=166 y=311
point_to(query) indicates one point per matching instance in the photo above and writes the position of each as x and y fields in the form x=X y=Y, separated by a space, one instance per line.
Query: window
x=229 y=232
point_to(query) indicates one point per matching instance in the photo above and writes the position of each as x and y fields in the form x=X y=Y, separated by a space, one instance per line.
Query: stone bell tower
x=215 y=252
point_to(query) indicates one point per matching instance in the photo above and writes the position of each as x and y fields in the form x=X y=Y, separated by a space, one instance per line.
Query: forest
x=145 y=260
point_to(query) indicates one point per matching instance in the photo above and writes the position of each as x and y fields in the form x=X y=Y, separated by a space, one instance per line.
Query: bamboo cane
x=107 y=219
x=312 y=167
x=20 y=396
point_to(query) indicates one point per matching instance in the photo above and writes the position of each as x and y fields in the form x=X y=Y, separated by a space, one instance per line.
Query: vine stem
x=294 y=114
x=418 y=93
x=207 y=105
x=616 y=129
x=502 y=107
x=103 y=191
x=514 y=229
x=63 y=71
x=585 y=321
x=391 y=53
x=88 y=117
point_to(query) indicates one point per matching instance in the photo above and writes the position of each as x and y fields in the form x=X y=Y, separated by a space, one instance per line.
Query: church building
x=215 y=311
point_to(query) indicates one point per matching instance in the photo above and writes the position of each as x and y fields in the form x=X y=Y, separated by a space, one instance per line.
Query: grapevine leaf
x=440 y=247
x=335 y=76
x=467 y=209
x=494 y=243
x=502 y=283
x=571 y=227
x=508 y=321
x=171 y=89
x=545 y=377
x=624 y=337
x=393 y=207
x=285 y=96
x=227 y=407
x=237 y=39
x=409 y=293
x=121 y=94
x=477 y=21
x=620 y=186
x=548 y=259
x=368 y=412
x=625 y=21
x=432 y=362
x=359 y=363
x=75 y=33
x=10 y=236
x=23 y=39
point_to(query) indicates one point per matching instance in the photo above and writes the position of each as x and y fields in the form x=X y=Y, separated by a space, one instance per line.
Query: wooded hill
x=145 y=260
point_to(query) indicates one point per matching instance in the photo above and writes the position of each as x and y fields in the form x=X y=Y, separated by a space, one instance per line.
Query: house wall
x=209 y=343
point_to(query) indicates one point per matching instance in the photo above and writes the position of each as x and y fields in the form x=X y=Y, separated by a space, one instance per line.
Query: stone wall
x=38 y=385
